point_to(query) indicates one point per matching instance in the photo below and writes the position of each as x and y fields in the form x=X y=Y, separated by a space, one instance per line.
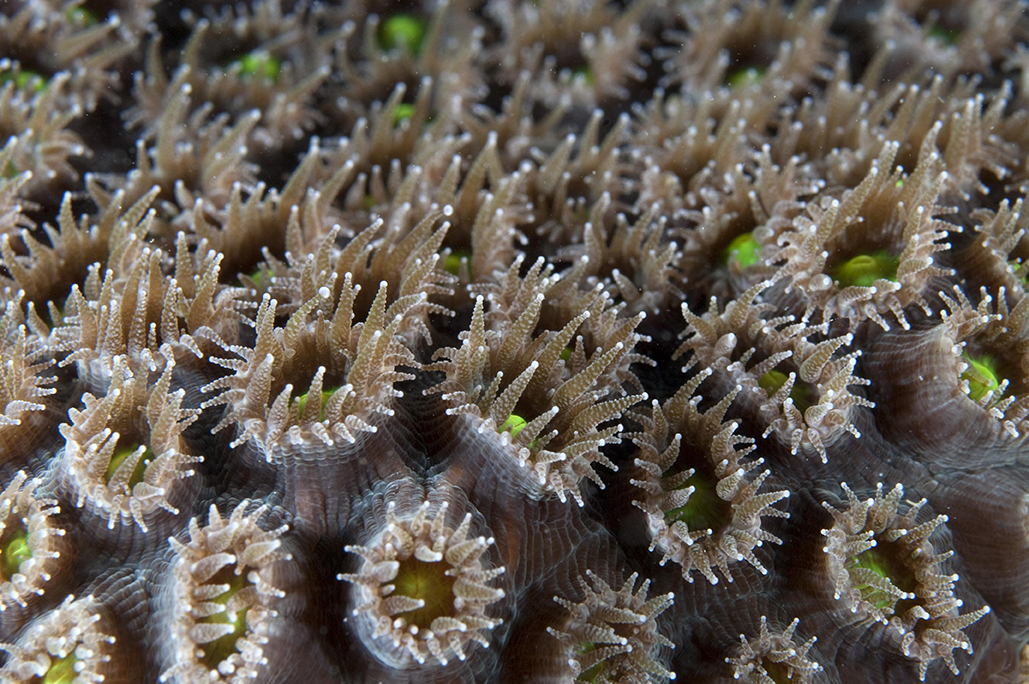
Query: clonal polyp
x=422 y=590
x=224 y=596
x=884 y=567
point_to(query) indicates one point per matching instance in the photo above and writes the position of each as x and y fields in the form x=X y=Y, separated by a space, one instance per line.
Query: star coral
x=440 y=341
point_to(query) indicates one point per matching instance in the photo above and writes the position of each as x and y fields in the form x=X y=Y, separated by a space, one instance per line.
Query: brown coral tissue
x=514 y=341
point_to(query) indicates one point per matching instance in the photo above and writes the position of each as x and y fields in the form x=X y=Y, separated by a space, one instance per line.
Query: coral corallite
x=541 y=341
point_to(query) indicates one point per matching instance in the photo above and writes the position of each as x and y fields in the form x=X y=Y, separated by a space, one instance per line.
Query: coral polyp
x=422 y=592
x=223 y=597
x=883 y=566
x=612 y=635
x=446 y=342
x=774 y=657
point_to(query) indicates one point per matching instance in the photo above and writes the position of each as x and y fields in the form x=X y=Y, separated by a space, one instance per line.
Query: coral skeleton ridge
x=545 y=341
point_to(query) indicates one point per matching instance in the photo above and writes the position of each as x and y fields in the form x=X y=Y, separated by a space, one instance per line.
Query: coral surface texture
x=514 y=341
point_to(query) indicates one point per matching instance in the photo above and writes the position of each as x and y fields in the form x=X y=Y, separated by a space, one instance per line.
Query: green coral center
x=430 y=583
x=515 y=423
x=121 y=454
x=452 y=264
x=403 y=112
x=80 y=16
x=62 y=671
x=326 y=395
x=744 y=76
x=864 y=269
x=704 y=510
x=885 y=562
x=221 y=648
x=585 y=73
x=15 y=552
x=402 y=31
x=260 y=65
x=26 y=79
x=801 y=393
x=981 y=375
x=743 y=251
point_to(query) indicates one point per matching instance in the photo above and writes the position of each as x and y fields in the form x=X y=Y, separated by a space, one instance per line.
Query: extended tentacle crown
x=423 y=589
x=883 y=566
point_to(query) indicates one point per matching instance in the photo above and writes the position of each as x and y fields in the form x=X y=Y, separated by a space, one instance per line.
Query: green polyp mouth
x=982 y=375
x=62 y=671
x=864 y=269
x=260 y=65
x=430 y=583
x=566 y=354
x=14 y=553
x=585 y=73
x=452 y=264
x=326 y=395
x=221 y=648
x=946 y=36
x=591 y=674
x=515 y=423
x=800 y=393
x=1015 y=267
x=402 y=32
x=879 y=560
x=403 y=112
x=772 y=381
x=705 y=510
x=25 y=80
x=121 y=454
x=745 y=76
x=81 y=16
x=743 y=251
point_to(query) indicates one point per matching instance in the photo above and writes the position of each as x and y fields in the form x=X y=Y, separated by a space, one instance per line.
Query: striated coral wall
x=514 y=341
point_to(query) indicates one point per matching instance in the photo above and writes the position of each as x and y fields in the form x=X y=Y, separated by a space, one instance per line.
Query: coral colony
x=502 y=341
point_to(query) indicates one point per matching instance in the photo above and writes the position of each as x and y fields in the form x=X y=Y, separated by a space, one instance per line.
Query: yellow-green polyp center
x=403 y=112
x=591 y=674
x=744 y=76
x=62 y=671
x=800 y=393
x=452 y=264
x=981 y=375
x=428 y=582
x=704 y=510
x=515 y=424
x=864 y=269
x=26 y=79
x=121 y=454
x=884 y=561
x=326 y=395
x=14 y=552
x=260 y=65
x=403 y=31
x=744 y=250
x=218 y=650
